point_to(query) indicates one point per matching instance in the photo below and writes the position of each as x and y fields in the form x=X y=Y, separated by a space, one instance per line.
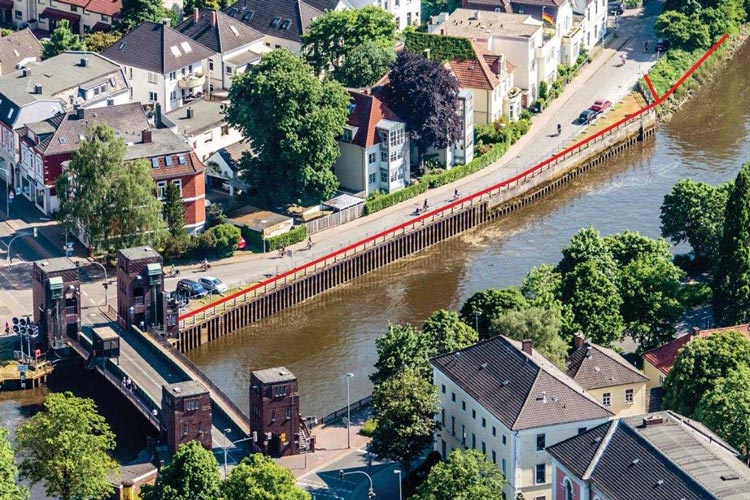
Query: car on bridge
x=600 y=105
x=191 y=289
x=212 y=285
x=586 y=116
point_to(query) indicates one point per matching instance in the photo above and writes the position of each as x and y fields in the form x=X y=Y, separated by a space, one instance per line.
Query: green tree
x=466 y=475
x=365 y=64
x=9 y=490
x=541 y=286
x=447 y=333
x=628 y=246
x=540 y=325
x=587 y=244
x=731 y=284
x=482 y=307
x=595 y=302
x=682 y=30
x=258 y=477
x=435 y=7
x=402 y=347
x=693 y=213
x=330 y=38
x=135 y=12
x=61 y=40
x=173 y=210
x=97 y=41
x=699 y=365
x=293 y=120
x=224 y=238
x=202 y=4
x=66 y=446
x=193 y=474
x=405 y=407
x=725 y=408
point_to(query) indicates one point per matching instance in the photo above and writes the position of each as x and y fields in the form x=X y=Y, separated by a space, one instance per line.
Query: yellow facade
x=655 y=376
x=619 y=401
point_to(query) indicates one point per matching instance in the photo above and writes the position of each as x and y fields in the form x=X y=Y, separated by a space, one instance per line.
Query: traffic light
x=371 y=494
x=341 y=474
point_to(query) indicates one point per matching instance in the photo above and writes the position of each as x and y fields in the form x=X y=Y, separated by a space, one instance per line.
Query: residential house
x=44 y=89
x=374 y=147
x=593 y=21
x=238 y=45
x=283 y=22
x=162 y=65
x=19 y=49
x=461 y=150
x=223 y=168
x=608 y=377
x=656 y=456
x=406 y=12
x=558 y=14
x=502 y=398
x=83 y=15
x=47 y=146
x=657 y=362
x=202 y=125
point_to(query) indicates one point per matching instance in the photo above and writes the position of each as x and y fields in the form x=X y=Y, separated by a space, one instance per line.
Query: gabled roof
x=474 y=73
x=671 y=458
x=16 y=47
x=218 y=31
x=169 y=155
x=523 y=391
x=110 y=8
x=157 y=48
x=366 y=111
x=287 y=19
x=663 y=357
x=595 y=367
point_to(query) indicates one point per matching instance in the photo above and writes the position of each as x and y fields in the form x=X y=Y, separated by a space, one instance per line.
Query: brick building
x=186 y=414
x=140 y=282
x=56 y=292
x=274 y=411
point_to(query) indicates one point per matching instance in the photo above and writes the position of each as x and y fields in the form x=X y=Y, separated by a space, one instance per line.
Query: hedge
x=496 y=151
x=441 y=48
x=378 y=203
x=296 y=235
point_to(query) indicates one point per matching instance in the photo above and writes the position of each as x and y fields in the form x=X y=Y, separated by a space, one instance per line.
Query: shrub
x=477 y=164
x=214 y=215
x=522 y=125
x=368 y=427
x=543 y=87
x=297 y=234
x=381 y=202
x=225 y=238
x=695 y=295
x=526 y=115
x=176 y=246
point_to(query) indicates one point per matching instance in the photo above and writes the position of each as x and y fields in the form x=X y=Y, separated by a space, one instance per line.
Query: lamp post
x=106 y=281
x=226 y=433
x=476 y=320
x=20 y=235
x=348 y=412
x=370 y=492
x=400 y=493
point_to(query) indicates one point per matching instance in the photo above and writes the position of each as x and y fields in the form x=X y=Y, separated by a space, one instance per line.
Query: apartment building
x=83 y=15
x=405 y=12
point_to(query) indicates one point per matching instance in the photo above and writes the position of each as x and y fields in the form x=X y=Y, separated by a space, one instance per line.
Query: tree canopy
x=97 y=41
x=540 y=325
x=135 y=12
x=61 y=40
x=293 y=120
x=466 y=475
x=66 y=446
x=173 y=210
x=257 y=477
x=193 y=474
x=364 y=64
x=9 y=489
x=425 y=95
x=725 y=408
x=446 y=332
x=483 y=306
x=402 y=347
x=699 y=365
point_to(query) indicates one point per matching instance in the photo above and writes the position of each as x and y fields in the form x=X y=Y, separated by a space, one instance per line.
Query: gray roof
x=670 y=460
x=464 y=23
x=206 y=116
x=139 y=253
x=595 y=367
x=274 y=375
x=523 y=391
x=17 y=47
x=56 y=265
x=223 y=35
x=188 y=388
x=163 y=142
x=153 y=47
x=233 y=153
x=287 y=19
x=343 y=201
x=256 y=219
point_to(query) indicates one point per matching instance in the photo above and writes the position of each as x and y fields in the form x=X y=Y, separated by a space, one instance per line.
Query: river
x=326 y=337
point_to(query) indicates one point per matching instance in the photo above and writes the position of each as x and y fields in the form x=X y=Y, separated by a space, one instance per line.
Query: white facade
x=406 y=12
x=594 y=22
x=150 y=87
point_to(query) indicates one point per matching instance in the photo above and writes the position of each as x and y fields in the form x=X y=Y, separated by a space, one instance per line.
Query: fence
x=335 y=219
x=357 y=405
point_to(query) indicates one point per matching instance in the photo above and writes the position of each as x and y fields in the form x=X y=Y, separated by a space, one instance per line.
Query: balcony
x=191 y=81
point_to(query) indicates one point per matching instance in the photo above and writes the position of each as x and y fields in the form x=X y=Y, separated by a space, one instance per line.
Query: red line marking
x=651 y=87
x=459 y=202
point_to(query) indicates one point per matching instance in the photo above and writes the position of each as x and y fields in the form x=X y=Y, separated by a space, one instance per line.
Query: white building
x=504 y=399
x=162 y=65
x=406 y=12
x=593 y=22
x=83 y=15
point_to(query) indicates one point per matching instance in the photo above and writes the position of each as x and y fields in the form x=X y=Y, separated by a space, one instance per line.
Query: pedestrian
x=7 y=328
x=425 y=205
x=124 y=380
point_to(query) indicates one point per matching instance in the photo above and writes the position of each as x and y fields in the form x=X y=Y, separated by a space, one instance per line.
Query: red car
x=600 y=105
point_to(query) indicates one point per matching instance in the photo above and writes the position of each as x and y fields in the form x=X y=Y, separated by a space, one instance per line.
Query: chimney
x=578 y=340
x=165 y=21
x=366 y=91
x=476 y=15
x=145 y=136
x=84 y=62
x=213 y=18
x=26 y=71
x=196 y=14
x=37 y=88
x=527 y=346
x=649 y=420
x=695 y=331
x=80 y=113
x=189 y=114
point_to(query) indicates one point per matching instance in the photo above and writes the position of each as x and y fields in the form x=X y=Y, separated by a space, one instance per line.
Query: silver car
x=213 y=285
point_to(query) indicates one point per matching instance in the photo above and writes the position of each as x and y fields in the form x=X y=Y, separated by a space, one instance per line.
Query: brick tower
x=186 y=414
x=56 y=292
x=274 y=411
x=140 y=282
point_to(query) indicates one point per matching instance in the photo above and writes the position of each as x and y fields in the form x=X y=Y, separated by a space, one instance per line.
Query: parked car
x=661 y=45
x=191 y=288
x=586 y=116
x=615 y=8
x=600 y=105
x=213 y=285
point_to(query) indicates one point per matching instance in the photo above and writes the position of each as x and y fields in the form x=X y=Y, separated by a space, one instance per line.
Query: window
x=288 y=413
x=463 y=405
x=168 y=160
x=73 y=8
x=494 y=431
x=494 y=457
x=453 y=397
x=503 y=467
x=211 y=63
x=105 y=18
x=19 y=14
x=151 y=78
x=463 y=433
x=606 y=399
x=172 y=76
x=474 y=414
x=442 y=388
x=185 y=429
x=273 y=415
x=581 y=430
x=505 y=441
x=442 y=416
x=484 y=422
x=540 y=475
x=346 y=136
x=154 y=162
x=192 y=404
x=181 y=159
x=540 y=442
x=173 y=95
x=384 y=157
x=567 y=489
x=228 y=70
x=473 y=441
x=453 y=425
x=373 y=178
x=372 y=158
x=484 y=447
x=161 y=189
x=629 y=396
x=208 y=136
x=383 y=176
x=153 y=97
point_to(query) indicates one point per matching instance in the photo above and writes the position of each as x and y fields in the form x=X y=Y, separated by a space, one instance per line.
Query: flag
x=547 y=18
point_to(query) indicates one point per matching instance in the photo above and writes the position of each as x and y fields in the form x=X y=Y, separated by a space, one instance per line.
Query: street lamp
x=106 y=281
x=226 y=433
x=348 y=412
x=20 y=235
x=370 y=492
x=400 y=493
x=476 y=320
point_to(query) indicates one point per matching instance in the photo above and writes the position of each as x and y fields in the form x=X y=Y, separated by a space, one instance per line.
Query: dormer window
x=154 y=162
x=347 y=135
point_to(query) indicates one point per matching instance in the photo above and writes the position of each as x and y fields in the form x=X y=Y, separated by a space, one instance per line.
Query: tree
x=99 y=181
x=135 y=12
x=541 y=286
x=466 y=475
x=365 y=64
x=225 y=238
x=66 y=446
x=9 y=490
x=405 y=407
x=693 y=213
x=482 y=307
x=424 y=94
x=628 y=246
x=699 y=365
x=540 y=325
x=97 y=41
x=731 y=284
x=595 y=302
x=402 y=347
x=173 y=210
x=61 y=40
x=258 y=477
x=587 y=244
x=293 y=120
x=446 y=332
x=330 y=38
x=193 y=474
x=682 y=30
x=725 y=408
x=203 y=4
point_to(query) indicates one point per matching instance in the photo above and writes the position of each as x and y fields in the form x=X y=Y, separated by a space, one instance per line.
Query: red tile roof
x=475 y=73
x=367 y=112
x=107 y=7
x=664 y=357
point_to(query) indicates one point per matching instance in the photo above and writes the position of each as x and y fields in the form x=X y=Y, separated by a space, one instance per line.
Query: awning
x=51 y=13
x=153 y=269
x=99 y=26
